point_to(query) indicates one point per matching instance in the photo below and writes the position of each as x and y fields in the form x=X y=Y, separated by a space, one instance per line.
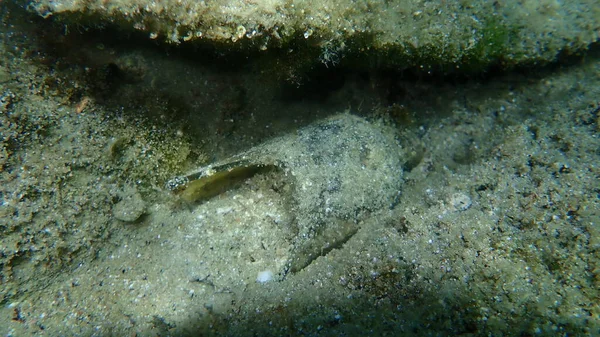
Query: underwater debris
x=342 y=169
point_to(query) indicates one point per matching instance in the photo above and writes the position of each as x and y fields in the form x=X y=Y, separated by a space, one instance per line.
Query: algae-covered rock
x=468 y=35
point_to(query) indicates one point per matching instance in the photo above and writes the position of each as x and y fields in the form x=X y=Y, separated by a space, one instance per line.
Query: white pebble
x=264 y=276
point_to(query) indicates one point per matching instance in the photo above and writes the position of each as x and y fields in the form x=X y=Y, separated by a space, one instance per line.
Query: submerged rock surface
x=399 y=33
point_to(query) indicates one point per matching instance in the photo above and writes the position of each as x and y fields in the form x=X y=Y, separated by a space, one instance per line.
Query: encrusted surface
x=397 y=33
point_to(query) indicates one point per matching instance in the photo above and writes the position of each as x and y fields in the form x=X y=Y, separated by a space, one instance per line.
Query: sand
x=494 y=230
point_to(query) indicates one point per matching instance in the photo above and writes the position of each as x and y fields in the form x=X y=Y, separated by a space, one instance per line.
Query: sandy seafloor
x=494 y=232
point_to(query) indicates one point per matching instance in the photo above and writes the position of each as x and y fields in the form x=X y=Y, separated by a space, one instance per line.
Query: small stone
x=460 y=202
x=264 y=276
x=4 y=75
x=130 y=208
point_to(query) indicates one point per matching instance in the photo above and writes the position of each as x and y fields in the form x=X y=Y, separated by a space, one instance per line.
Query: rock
x=130 y=208
x=460 y=202
x=4 y=75
x=447 y=35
